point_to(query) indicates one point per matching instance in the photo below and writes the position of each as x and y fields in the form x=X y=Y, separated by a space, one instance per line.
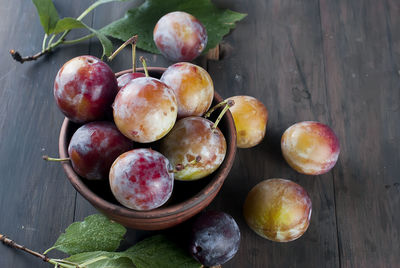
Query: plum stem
x=222 y=103
x=131 y=40
x=144 y=66
x=134 y=57
x=58 y=263
x=229 y=104
x=47 y=158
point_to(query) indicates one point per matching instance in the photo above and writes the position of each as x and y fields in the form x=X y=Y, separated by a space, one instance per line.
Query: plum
x=145 y=110
x=250 y=116
x=141 y=179
x=84 y=89
x=310 y=147
x=215 y=238
x=94 y=147
x=193 y=88
x=194 y=137
x=180 y=36
x=278 y=209
x=126 y=78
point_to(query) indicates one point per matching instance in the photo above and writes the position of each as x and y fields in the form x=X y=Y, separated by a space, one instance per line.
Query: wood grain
x=361 y=44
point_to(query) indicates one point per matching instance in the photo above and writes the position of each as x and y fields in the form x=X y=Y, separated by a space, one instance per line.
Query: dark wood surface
x=337 y=62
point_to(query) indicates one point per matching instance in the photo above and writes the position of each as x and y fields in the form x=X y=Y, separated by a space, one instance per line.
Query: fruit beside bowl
x=188 y=198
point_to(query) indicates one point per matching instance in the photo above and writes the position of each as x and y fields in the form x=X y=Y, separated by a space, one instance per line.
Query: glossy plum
x=94 y=147
x=126 y=78
x=85 y=88
x=141 y=179
x=193 y=88
x=190 y=138
x=310 y=147
x=215 y=238
x=180 y=36
x=278 y=209
x=145 y=109
x=250 y=116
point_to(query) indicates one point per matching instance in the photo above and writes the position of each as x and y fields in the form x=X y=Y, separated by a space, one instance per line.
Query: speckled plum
x=94 y=147
x=180 y=36
x=85 y=88
x=192 y=137
x=141 y=179
x=215 y=238
x=278 y=209
x=310 y=147
x=193 y=88
x=251 y=117
x=145 y=109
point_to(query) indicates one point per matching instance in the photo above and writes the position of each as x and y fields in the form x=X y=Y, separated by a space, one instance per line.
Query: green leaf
x=158 y=251
x=105 y=42
x=95 y=233
x=141 y=21
x=68 y=24
x=101 y=259
x=48 y=14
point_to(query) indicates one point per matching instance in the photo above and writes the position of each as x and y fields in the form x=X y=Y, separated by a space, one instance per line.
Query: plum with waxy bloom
x=194 y=137
x=215 y=238
x=193 y=88
x=126 y=78
x=250 y=116
x=85 y=88
x=141 y=179
x=94 y=147
x=145 y=109
x=180 y=36
x=278 y=209
x=310 y=147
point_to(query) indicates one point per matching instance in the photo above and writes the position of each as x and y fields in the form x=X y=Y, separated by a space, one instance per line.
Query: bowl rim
x=162 y=212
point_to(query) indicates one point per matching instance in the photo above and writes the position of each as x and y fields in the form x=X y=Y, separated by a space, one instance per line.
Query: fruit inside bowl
x=188 y=197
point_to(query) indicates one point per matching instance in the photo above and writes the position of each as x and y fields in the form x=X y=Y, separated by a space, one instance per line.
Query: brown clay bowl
x=188 y=198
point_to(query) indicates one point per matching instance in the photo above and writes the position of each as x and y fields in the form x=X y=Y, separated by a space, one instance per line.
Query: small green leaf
x=105 y=42
x=68 y=24
x=48 y=14
x=158 y=251
x=141 y=21
x=95 y=233
x=101 y=259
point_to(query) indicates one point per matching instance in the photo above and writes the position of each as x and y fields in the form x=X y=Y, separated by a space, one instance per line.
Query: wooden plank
x=36 y=199
x=275 y=55
x=362 y=59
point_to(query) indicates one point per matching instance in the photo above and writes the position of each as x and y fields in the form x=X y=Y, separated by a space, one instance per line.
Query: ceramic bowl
x=188 y=198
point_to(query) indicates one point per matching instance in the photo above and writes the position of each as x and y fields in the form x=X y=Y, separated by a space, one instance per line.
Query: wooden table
x=337 y=62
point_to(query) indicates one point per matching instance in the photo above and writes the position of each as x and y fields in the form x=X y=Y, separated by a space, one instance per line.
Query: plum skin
x=145 y=110
x=141 y=179
x=94 y=147
x=193 y=88
x=84 y=89
x=126 y=78
x=310 y=147
x=278 y=209
x=215 y=238
x=180 y=36
x=251 y=117
x=192 y=137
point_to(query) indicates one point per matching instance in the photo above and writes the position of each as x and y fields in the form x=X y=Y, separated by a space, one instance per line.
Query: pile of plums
x=120 y=117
